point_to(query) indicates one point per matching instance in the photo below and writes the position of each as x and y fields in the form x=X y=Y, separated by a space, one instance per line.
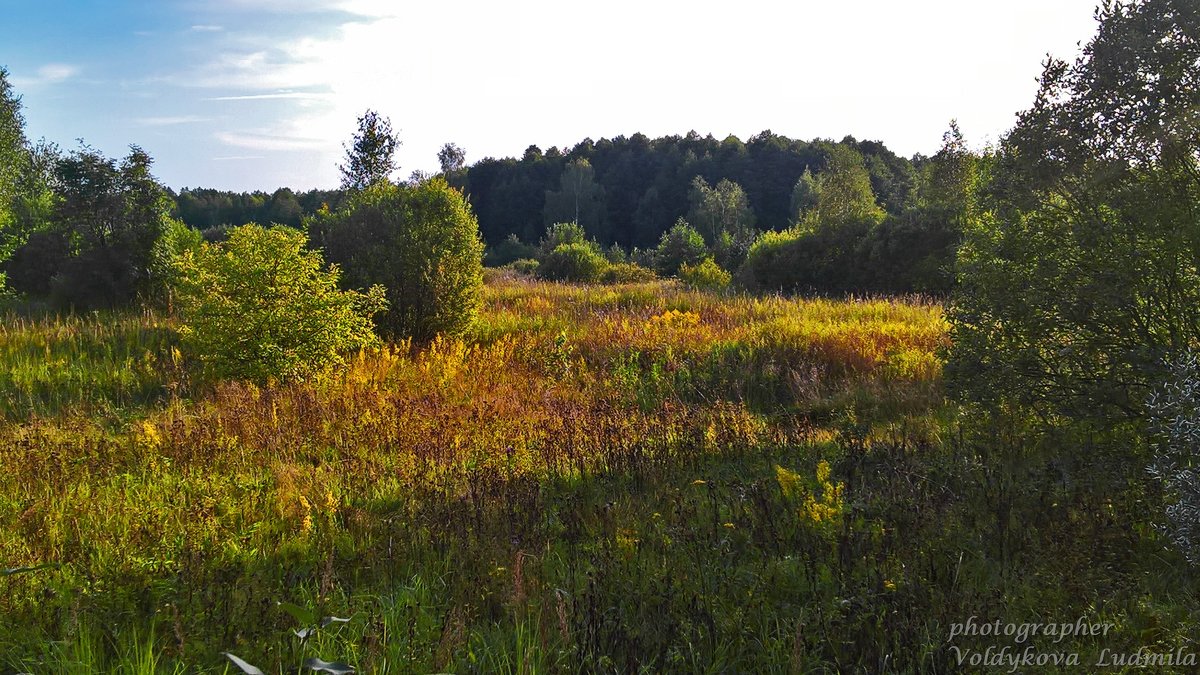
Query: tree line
x=626 y=193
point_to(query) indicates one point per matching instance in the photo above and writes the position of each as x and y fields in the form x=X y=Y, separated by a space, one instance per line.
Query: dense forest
x=628 y=192
x=631 y=190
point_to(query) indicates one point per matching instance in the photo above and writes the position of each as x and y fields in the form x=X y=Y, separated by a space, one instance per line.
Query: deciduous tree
x=371 y=155
x=422 y=243
x=1081 y=275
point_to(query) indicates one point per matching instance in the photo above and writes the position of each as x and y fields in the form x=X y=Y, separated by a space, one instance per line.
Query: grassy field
x=617 y=479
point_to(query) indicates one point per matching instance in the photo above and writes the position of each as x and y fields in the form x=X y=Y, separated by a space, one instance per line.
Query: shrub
x=680 y=245
x=706 y=276
x=262 y=306
x=829 y=260
x=559 y=234
x=508 y=251
x=176 y=240
x=730 y=251
x=524 y=266
x=766 y=263
x=643 y=257
x=573 y=262
x=420 y=242
x=616 y=255
x=626 y=273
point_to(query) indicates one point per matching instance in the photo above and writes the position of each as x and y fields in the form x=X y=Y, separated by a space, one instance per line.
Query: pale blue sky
x=257 y=94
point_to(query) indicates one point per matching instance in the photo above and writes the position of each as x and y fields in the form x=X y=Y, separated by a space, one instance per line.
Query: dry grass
x=146 y=487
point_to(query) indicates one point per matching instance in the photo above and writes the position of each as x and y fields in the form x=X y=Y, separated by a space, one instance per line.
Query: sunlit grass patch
x=551 y=436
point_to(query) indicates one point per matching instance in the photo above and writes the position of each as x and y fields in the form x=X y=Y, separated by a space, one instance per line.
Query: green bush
x=573 y=262
x=706 y=276
x=829 y=260
x=559 y=234
x=524 y=266
x=680 y=245
x=421 y=243
x=616 y=255
x=176 y=240
x=510 y=250
x=766 y=263
x=262 y=306
x=626 y=273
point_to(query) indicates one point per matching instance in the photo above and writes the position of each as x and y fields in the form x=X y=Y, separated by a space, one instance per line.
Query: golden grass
x=557 y=380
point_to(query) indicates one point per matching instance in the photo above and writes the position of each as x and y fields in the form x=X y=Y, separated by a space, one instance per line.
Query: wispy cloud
x=278 y=95
x=207 y=28
x=238 y=158
x=169 y=121
x=51 y=73
x=269 y=141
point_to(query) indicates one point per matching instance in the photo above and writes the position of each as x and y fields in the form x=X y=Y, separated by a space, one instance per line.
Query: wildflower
x=150 y=434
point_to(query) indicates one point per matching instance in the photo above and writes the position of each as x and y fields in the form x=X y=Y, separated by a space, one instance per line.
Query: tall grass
x=599 y=479
x=84 y=365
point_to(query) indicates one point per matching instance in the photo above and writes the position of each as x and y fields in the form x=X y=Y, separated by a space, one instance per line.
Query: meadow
x=628 y=478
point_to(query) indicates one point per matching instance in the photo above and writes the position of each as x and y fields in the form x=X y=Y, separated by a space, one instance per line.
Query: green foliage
x=719 y=211
x=626 y=273
x=421 y=243
x=1078 y=279
x=766 y=263
x=951 y=176
x=577 y=262
x=616 y=255
x=525 y=265
x=261 y=306
x=705 y=276
x=844 y=196
x=579 y=199
x=804 y=195
x=1174 y=415
x=205 y=208
x=371 y=155
x=638 y=478
x=109 y=217
x=507 y=251
x=452 y=159
x=100 y=365
x=12 y=162
x=175 y=241
x=563 y=233
x=824 y=260
x=34 y=264
x=843 y=242
x=679 y=246
x=910 y=253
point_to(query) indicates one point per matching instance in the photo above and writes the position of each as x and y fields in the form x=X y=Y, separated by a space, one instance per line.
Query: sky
x=259 y=94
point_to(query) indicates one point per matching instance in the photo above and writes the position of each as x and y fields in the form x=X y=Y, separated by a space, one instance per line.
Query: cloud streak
x=283 y=95
x=169 y=121
x=51 y=73
x=268 y=141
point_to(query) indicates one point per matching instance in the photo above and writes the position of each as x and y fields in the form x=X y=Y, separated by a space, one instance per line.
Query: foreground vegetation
x=598 y=478
x=390 y=464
